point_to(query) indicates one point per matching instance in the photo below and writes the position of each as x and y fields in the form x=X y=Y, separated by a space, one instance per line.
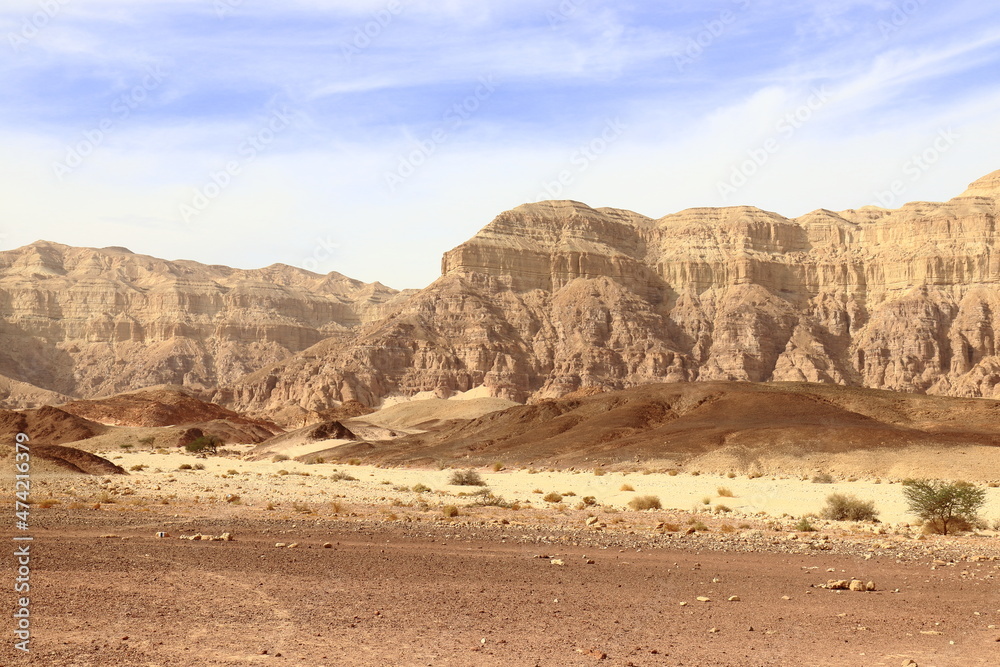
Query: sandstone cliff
x=547 y=299
x=85 y=322
x=552 y=297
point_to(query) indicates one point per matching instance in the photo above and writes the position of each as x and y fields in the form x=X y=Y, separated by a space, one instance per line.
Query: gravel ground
x=493 y=587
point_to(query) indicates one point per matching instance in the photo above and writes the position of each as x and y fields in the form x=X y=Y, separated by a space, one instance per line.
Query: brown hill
x=86 y=322
x=47 y=425
x=555 y=296
x=46 y=428
x=678 y=422
x=163 y=406
x=547 y=299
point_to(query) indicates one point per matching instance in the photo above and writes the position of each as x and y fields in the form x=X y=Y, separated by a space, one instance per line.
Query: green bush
x=466 y=478
x=944 y=505
x=645 y=503
x=843 y=507
x=803 y=526
x=206 y=444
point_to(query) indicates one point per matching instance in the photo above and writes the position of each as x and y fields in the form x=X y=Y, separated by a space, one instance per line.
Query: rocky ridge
x=547 y=299
x=86 y=322
x=552 y=297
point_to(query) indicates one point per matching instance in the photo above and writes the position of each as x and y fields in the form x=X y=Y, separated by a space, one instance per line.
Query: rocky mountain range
x=547 y=299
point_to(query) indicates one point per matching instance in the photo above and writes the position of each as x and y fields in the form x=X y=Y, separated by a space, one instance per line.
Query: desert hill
x=49 y=428
x=555 y=296
x=726 y=425
x=547 y=299
x=87 y=322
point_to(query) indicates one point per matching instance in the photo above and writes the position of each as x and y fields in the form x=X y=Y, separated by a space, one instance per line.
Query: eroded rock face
x=84 y=322
x=552 y=297
x=547 y=299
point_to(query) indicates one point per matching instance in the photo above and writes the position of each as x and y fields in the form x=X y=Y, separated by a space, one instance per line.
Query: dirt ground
x=476 y=591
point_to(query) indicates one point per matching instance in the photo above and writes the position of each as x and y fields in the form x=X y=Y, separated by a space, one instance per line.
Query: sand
x=261 y=482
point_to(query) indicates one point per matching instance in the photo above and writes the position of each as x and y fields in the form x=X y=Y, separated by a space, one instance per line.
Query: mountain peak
x=987 y=186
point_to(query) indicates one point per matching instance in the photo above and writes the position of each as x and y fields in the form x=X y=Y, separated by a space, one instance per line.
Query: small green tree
x=206 y=444
x=943 y=502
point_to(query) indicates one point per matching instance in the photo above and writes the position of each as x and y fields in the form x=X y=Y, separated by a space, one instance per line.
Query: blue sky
x=370 y=137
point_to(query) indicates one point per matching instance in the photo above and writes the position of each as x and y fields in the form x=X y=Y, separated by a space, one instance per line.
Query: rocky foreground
x=363 y=588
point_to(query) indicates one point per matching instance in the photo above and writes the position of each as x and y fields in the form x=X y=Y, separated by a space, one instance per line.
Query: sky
x=369 y=137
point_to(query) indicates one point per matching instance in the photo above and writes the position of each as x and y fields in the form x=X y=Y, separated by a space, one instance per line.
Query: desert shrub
x=843 y=507
x=588 y=501
x=673 y=473
x=945 y=506
x=232 y=472
x=278 y=458
x=955 y=525
x=339 y=476
x=626 y=487
x=823 y=478
x=354 y=462
x=730 y=475
x=645 y=503
x=301 y=507
x=497 y=466
x=727 y=528
x=695 y=473
x=449 y=510
x=537 y=491
x=421 y=488
x=126 y=446
x=206 y=444
x=803 y=526
x=724 y=492
x=599 y=472
x=707 y=500
x=270 y=507
x=466 y=478
x=570 y=494
x=699 y=526
x=281 y=473
x=138 y=468
x=552 y=497
x=198 y=466
x=722 y=509
x=184 y=466
x=490 y=499
x=47 y=503
x=147 y=441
